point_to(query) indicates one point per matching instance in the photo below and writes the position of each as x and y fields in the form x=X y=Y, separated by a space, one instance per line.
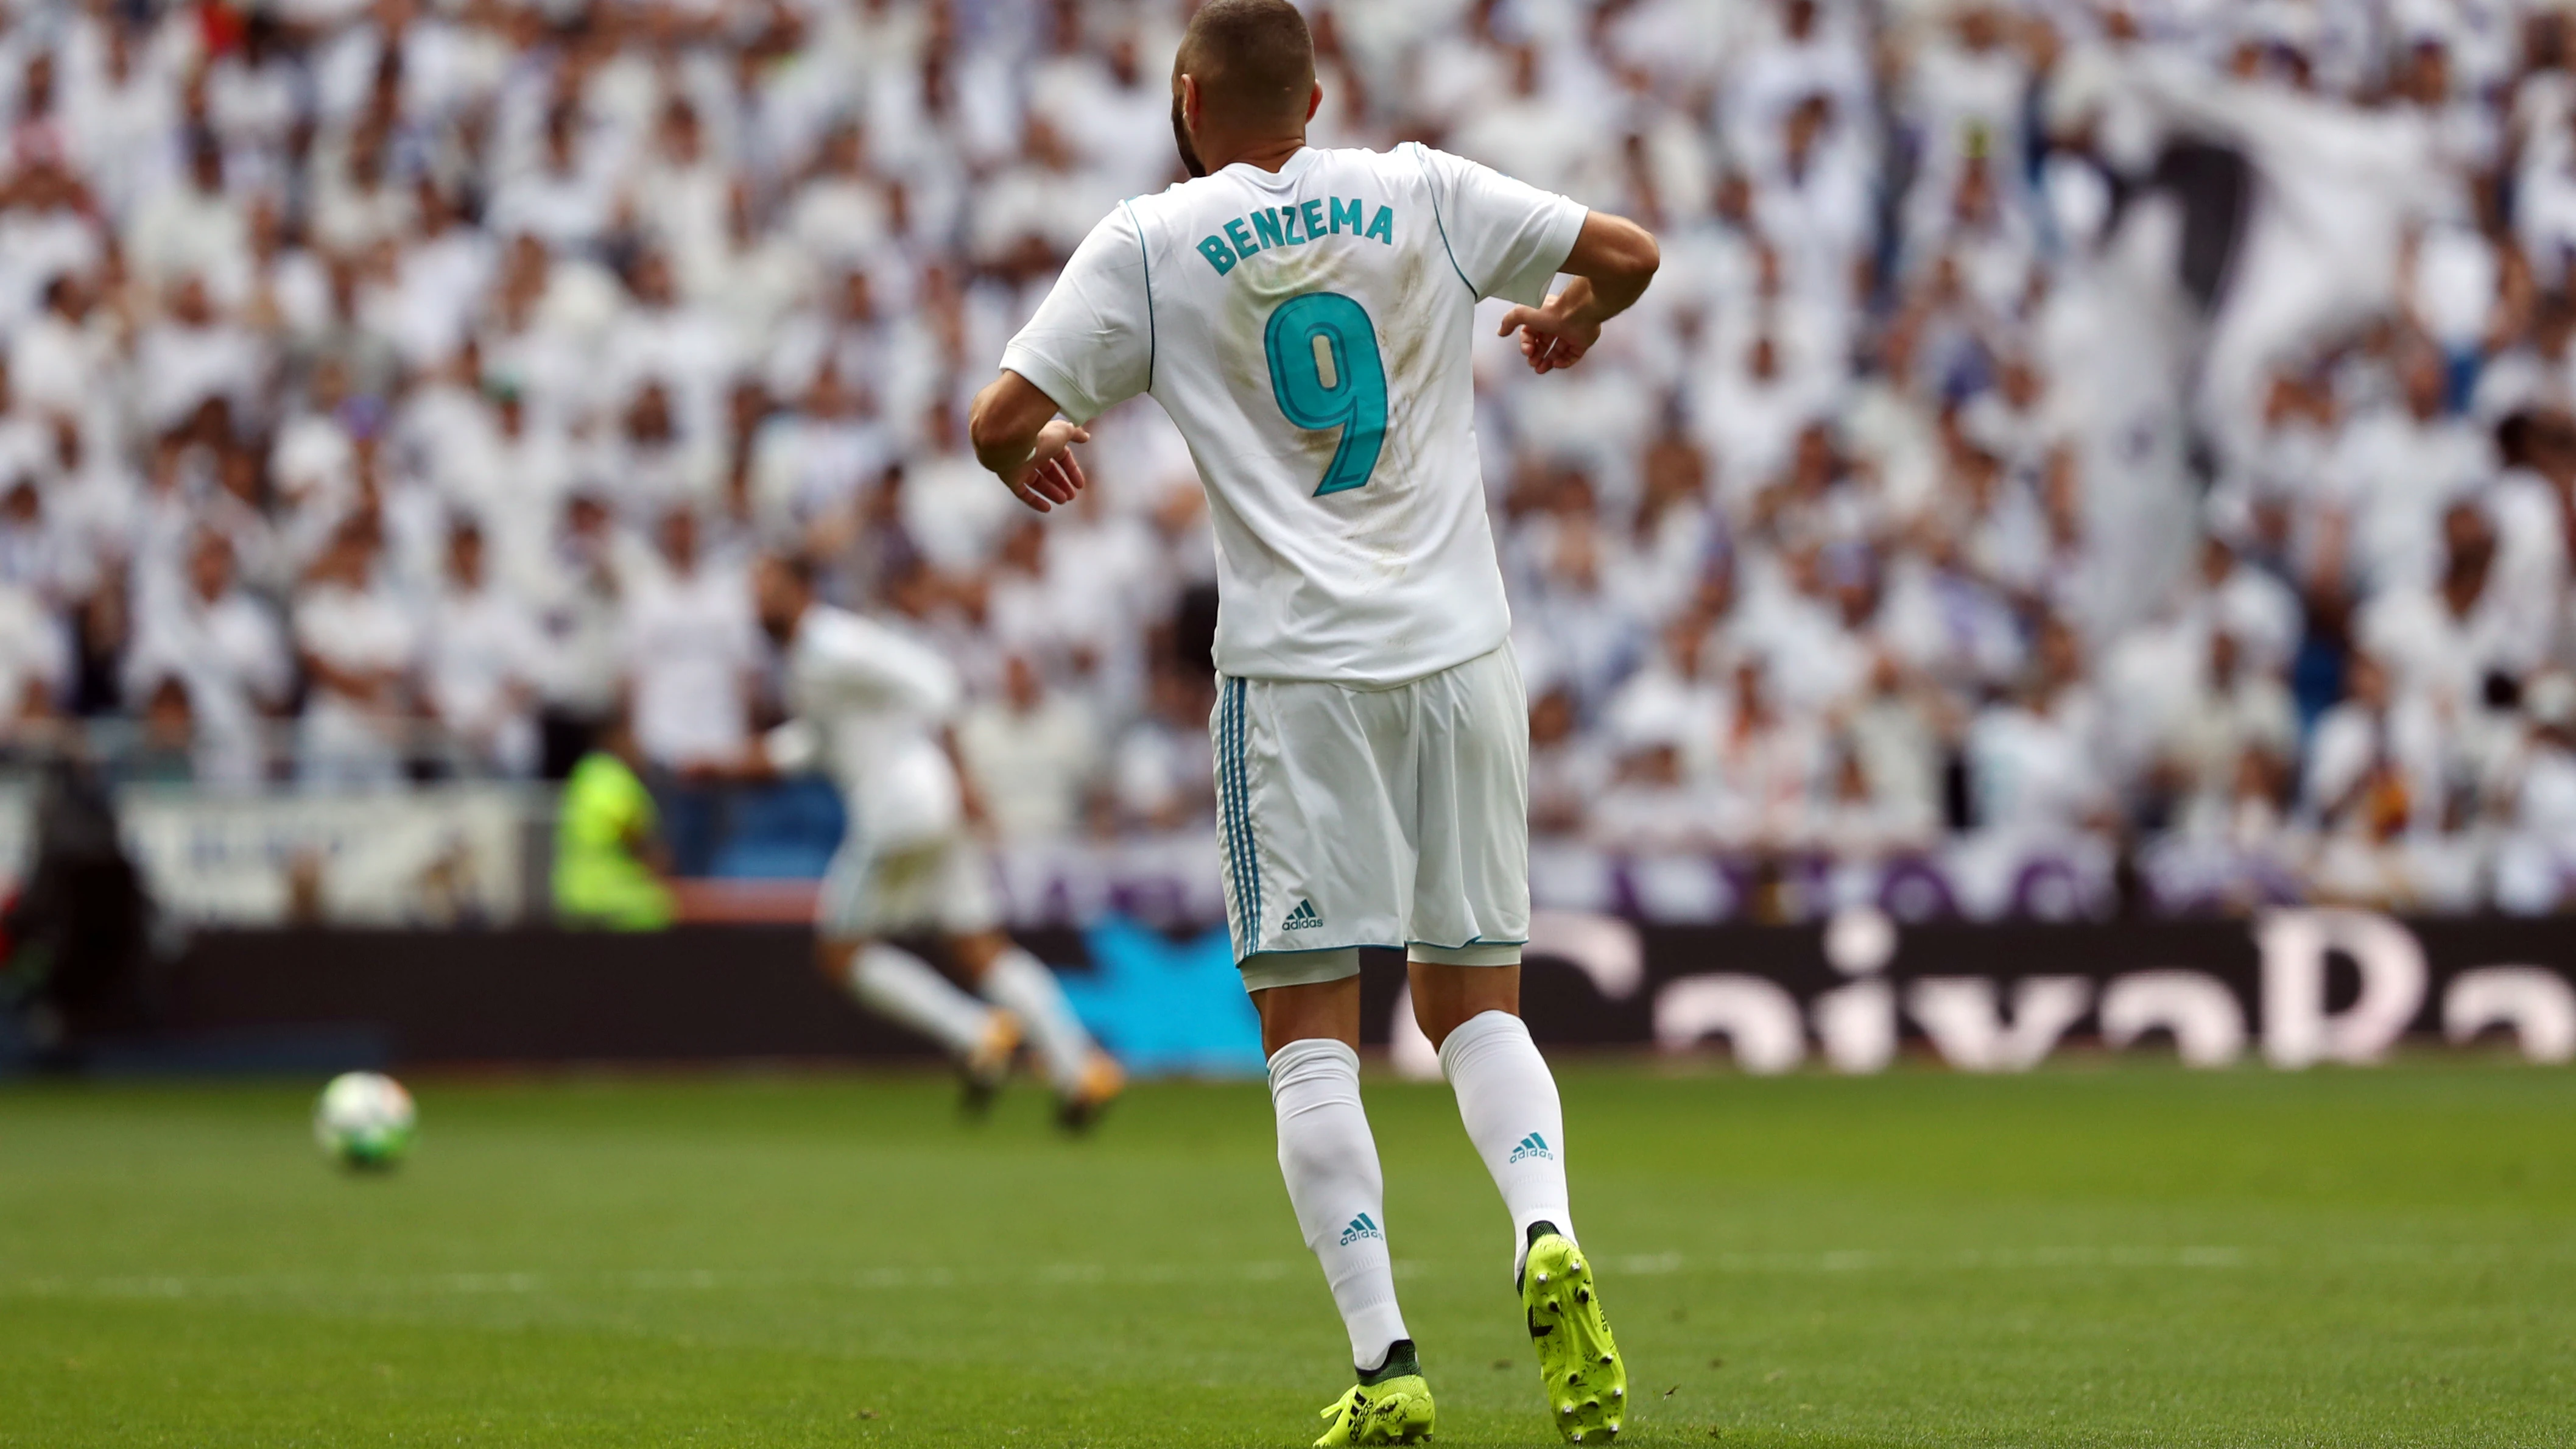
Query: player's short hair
x=1254 y=60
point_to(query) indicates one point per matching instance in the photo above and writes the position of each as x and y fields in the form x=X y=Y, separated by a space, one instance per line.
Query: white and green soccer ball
x=364 y=1119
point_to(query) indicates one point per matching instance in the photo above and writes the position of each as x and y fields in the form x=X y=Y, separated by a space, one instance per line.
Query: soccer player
x=1304 y=317
x=871 y=705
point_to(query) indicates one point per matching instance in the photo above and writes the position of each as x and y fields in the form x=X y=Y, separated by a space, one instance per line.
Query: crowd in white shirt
x=2142 y=422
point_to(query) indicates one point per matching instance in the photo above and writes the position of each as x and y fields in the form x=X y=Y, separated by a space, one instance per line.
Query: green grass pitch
x=2093 y=1255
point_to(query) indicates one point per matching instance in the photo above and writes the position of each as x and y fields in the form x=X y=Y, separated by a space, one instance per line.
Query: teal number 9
x=1326 y=373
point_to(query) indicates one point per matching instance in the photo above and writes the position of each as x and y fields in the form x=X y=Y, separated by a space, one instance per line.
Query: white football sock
x=1507 y=1098
x=1020 y=983
x=895 y=983
x=1334 y=1182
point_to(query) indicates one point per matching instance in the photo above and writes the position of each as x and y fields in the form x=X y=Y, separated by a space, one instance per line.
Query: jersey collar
x=1287 y=174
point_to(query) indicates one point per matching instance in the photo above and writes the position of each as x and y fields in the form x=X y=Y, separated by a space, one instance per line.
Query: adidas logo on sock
x=1532 y=1146
x=1360 y=1228
x=1302 y=917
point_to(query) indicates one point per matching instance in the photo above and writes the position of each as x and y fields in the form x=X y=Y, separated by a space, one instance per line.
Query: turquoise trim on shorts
x=1248 y=856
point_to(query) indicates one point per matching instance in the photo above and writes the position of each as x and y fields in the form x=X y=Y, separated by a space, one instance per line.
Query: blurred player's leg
x=1084 y=1078
x=897 y=985
x=934 y=884
x=1017 y=982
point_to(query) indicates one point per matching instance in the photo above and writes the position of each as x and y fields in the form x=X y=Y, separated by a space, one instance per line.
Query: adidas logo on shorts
x=1360 y=1228
x=1532 y=1146
x=1302 y=917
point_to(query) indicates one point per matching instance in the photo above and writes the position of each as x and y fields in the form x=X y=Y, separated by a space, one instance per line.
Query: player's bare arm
x=1018 y=436
x=970 y=797
x=1612 y=261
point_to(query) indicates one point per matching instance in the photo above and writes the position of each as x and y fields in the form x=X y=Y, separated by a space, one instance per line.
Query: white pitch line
x=641 y=1280
x=2042 y=1259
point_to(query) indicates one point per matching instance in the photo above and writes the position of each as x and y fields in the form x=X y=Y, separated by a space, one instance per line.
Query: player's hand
x=1556 y=335
x=1051 y=475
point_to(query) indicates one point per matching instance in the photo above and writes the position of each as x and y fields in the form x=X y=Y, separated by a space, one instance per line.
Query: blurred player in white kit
x=871 y=705
x=1304 y=316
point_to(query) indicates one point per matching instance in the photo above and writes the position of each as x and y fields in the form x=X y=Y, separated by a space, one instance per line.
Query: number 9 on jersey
x=1326 y=373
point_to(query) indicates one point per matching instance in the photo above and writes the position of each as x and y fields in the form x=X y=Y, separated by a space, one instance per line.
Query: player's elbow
x=1614 y=252
x=1636 y=256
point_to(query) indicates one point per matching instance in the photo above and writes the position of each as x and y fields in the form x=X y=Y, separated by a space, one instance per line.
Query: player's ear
x=1314 y=101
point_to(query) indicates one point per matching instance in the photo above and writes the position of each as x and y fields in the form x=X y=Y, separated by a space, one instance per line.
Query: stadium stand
x=2129 y=444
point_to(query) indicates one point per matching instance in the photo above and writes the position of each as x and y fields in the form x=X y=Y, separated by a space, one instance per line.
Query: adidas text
x=1360 y=1228
x=1302 y=917
x=1532 y=1146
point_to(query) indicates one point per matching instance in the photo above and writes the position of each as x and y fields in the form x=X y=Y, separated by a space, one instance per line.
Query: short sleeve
x=1506 y=237
x=1091 y=344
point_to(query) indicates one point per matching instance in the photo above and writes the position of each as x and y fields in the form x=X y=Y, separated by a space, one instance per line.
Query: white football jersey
x=1308 y=332
x=869 y=702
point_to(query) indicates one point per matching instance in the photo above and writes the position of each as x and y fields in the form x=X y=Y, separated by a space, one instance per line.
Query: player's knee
x=976 y=952
x=1439 y=1019
x=1448 y=994
x=832 y=959
x=1316 y=1011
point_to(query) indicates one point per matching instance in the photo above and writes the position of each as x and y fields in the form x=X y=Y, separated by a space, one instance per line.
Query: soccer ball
x=363 y=1119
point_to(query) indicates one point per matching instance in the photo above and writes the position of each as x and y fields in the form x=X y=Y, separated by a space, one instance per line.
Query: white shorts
x=1374 y=817
x=942 y=885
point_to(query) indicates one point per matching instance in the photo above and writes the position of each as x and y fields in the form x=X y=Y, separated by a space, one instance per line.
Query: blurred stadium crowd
x=2144 y=422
